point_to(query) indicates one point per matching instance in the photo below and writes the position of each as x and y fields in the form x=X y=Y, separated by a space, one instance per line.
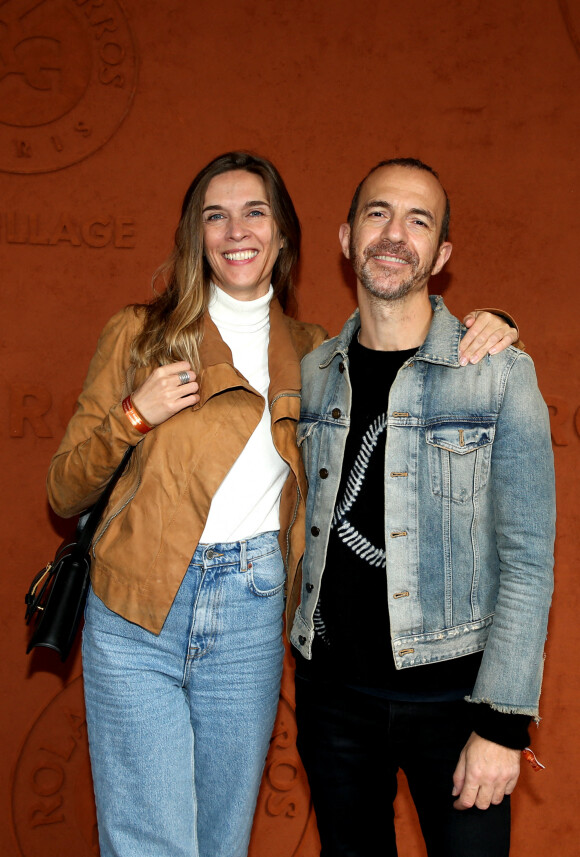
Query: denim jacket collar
x=441 y=344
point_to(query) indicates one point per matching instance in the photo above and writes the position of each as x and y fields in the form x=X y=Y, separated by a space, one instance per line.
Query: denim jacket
x=469 y=507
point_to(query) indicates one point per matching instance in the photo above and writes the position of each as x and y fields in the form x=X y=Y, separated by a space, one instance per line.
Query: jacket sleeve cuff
x=510 y=320
x=509 y=730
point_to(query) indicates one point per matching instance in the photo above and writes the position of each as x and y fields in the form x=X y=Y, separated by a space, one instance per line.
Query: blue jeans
x=352 y=743
x=179 y=724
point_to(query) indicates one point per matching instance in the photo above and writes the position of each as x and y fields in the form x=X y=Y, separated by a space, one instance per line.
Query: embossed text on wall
x=67 y=78
x=46 y=796
x=96 y=230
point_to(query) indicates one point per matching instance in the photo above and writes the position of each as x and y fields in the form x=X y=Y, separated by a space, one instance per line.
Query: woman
x=182 y=646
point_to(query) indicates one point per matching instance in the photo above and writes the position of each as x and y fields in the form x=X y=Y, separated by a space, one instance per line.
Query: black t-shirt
x=352 y=631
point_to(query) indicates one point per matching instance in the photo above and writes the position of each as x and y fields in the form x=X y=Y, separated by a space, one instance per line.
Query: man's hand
x=488 y=333
x=485 y=773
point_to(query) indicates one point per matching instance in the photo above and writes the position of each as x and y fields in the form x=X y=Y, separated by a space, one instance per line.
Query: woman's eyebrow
x=248 y=204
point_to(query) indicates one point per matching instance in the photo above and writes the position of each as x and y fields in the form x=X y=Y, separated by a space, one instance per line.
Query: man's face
x=394 y=243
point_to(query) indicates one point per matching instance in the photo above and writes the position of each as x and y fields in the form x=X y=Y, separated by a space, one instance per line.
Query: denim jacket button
x=315 y=531
x=336 y=413
x=301 y=640
x=323 y=473
x=309 y=587
x=341 y=368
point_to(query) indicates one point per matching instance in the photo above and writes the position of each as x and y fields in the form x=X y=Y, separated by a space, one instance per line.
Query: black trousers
x=352 y=744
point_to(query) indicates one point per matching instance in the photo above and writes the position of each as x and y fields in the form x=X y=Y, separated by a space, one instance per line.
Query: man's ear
x=344 y=237
x=443 y=254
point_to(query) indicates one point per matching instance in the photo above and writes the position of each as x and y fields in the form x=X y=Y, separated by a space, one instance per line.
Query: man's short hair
x=411 y=164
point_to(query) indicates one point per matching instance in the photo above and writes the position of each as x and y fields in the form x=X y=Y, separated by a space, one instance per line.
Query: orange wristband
x=531 y=757
x=134 y=416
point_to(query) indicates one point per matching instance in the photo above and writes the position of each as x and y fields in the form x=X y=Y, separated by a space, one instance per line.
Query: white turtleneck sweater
x=247 y=502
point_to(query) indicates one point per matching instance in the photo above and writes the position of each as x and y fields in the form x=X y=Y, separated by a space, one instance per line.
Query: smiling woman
x=182 y=647
x=241 y=237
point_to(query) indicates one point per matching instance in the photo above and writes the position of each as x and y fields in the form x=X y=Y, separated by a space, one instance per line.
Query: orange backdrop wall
x=107 y=110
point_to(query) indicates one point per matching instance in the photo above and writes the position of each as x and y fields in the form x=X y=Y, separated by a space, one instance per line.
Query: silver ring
x=184 y=377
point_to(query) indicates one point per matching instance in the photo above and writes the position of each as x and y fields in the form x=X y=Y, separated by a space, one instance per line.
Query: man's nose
x=395 y=230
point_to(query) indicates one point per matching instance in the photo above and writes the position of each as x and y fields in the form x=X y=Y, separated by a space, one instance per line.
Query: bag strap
x=89 y=520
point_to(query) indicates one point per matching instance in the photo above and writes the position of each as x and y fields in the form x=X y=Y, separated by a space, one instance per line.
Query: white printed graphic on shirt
x=348 y=534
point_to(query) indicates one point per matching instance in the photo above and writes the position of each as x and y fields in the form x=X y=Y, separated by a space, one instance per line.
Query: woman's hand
x=488 y=333
x=164 y=394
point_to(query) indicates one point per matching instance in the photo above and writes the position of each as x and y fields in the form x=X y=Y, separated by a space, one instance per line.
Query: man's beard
x=372 y=281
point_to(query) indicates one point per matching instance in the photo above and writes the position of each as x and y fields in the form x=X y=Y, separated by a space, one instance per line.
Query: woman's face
x=241 y=240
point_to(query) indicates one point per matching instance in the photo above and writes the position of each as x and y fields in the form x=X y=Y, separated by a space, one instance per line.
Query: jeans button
x=210 y=554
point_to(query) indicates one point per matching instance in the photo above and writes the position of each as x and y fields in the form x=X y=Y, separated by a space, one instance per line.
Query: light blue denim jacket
x=469 y=507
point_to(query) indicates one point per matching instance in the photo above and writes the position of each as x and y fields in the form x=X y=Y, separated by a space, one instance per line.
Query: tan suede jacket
x=158 y=509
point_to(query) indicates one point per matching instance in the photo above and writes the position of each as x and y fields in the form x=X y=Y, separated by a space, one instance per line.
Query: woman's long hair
x=173 y=325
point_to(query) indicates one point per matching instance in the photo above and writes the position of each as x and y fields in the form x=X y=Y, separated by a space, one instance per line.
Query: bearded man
x=427 y=576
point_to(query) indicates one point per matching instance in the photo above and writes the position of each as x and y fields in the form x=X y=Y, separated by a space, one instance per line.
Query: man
x=427 y=576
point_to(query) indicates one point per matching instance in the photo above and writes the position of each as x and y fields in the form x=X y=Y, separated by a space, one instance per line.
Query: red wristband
x=134 y=416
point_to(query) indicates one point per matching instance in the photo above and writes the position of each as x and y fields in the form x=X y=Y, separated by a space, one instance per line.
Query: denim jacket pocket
x=459 y=458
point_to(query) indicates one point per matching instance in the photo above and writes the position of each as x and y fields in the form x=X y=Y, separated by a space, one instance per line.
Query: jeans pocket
x=266 y=574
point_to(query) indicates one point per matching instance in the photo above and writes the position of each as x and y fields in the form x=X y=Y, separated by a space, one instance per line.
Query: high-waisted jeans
x=179 y=724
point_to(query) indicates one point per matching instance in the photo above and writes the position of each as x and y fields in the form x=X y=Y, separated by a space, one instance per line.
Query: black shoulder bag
x=56 y=598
